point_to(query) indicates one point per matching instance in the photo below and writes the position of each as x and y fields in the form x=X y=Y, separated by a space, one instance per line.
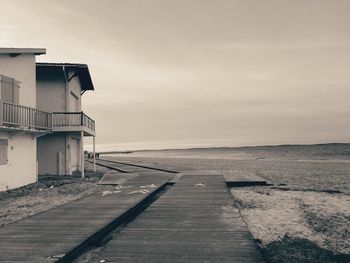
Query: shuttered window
x=3 y=151
x=9 y=89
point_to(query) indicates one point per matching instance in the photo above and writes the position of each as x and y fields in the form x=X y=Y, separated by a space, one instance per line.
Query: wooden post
x=81 y=118
x=94 y=156
x=82 y=154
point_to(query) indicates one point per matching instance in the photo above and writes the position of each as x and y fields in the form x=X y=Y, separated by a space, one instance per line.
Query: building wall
x=51 y=154
x=74 y=95
x=22 y=68
x=21 y=168
x=51 y=92
x=59 y=153
x=52 y=95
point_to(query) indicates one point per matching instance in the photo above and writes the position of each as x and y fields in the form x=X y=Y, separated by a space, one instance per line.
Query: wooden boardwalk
x=50 y=235
x=120 y=167
x=113 y=178
x=239 y=178
x=194 y=221
x=142 y=165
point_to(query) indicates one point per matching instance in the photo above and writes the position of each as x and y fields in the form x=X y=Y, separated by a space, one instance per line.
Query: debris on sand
x=148 y=186
x=120 y=187
x=143 y=191
x=107 y=192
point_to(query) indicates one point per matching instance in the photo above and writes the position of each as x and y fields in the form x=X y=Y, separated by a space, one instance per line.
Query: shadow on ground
x=300 y=250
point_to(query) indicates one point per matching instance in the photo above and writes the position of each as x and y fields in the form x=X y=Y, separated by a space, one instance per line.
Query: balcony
x=73 y=122
x=14 y=117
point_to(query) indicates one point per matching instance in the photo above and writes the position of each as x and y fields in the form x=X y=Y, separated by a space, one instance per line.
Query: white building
x=20 y=121
x=59 y=90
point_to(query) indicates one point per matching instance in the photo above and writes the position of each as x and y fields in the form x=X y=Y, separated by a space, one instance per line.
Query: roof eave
x=19 y=51
x=82 y=69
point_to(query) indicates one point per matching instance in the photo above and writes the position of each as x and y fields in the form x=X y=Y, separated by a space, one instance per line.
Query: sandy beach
x=306 y=207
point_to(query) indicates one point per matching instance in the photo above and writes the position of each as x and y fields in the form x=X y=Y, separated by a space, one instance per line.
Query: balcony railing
x=23 y=117
x=61 y=119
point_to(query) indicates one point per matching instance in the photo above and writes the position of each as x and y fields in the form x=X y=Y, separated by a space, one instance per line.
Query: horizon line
x=233 y=147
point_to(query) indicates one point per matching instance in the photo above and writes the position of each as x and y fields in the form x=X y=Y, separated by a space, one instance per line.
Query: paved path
x=194 y=221
x=49 y=235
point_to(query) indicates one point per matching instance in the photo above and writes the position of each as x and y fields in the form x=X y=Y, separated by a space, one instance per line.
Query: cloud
x=251 y=46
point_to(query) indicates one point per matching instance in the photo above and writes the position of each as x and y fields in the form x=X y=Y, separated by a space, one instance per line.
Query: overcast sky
x=183 y=73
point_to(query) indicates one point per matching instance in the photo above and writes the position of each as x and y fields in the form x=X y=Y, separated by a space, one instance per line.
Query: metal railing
x=23 y=117
x=72 y=119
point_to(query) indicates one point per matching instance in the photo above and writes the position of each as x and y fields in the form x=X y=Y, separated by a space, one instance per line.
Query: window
x=3 y=151
x=9 y=89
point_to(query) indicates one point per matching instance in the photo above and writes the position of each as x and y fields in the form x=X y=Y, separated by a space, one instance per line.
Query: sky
x=199 y=73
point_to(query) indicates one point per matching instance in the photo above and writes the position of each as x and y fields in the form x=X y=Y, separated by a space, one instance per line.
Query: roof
x=82 y=71
x=18 y=51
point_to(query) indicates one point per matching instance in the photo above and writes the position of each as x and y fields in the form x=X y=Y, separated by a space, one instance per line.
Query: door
x=75 y=154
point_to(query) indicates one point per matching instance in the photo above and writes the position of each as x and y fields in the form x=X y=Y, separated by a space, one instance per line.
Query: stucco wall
x=59 y=153
x=51 y=92
x=21 y=168
x=51 y=154
x=22 y=68
x=52 y=96
x=75 y=88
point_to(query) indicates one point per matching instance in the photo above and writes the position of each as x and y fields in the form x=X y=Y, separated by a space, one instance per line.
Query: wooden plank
x=150 y=166
x=60 y=230
x=237 y=178
x=171 y=230
x=201 y=173
x=116 y=178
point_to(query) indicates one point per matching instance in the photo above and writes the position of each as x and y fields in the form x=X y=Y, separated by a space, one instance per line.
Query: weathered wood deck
x=49 y=235
x=150 y=166
x=194 y=221
x=113 y=178
x=119 y=167
x=239 y=178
